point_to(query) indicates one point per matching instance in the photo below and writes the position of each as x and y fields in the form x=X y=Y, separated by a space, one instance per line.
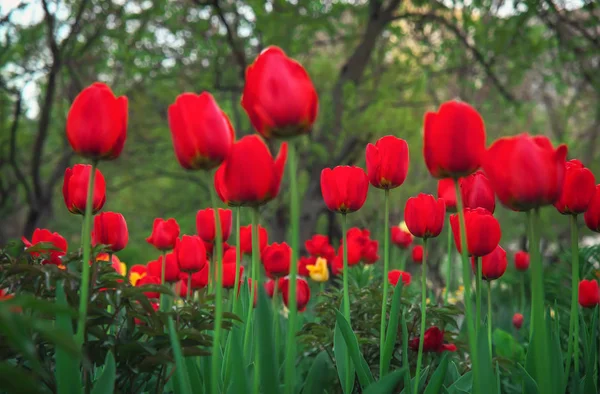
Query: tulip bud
x=110 y=228
x=592 y=215
x=425 y=216
x=205 y=224
x=482 y=229
x=387 y=162
x=344 y=188
x=521 y=260
x=164 y=234
x=190 y=253
x=517 y=320
x=395 y=275
x=276 y=259
x=578 y=189
x=75 y=189
x=589 y=295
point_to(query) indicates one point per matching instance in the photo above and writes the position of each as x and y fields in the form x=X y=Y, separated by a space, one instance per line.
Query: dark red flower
x=302 y=292
x=201 y=132
x=246 y=238
x=191 y=254
x=303 y=262
x=205 y=224
x=446 y=191
x=454 y=140
x=181 y=288
x=110 y=228
x=45 y=236
x=592 y=215
x=424 y=215
x=171 y=268
x=589 y=295
x=199 y=279
x=149 y=280
x=387 y=162
x=395 y=275
x=417 y=254
x=482 y=229
x=477 y=192
x=578 y=189
x=522 y=260
x=517 y=320
x=164 y=234
x=319 y=246
x=279 y=96
x=344 y=188
x=525 y=172
x=250 y=176
x=97 y=123
x=493 y=265
x=433 y=341
x=370 y=252
x=401 y=237
x=276 y=259
x=75 y=188
x=269 y=287
x=136 y=273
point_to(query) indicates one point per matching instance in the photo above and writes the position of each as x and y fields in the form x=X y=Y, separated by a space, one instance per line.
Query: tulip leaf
x=363 y=371
x=392 y=329
x=453 y=375
x=193 y=370
x=106 y=382
x=67 y=372
x=405 y=363
x=531 y=386
x=463 y=384
x=239 y=383
x=343 y=363
x=387 y=384
x=487 y=377
x=180 y=370
x=437 y=379
x=318 y=375
x=422 y=380
x=266 y=348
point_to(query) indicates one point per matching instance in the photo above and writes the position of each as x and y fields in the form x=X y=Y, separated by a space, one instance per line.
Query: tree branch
x=13 y=150
x=238 y=52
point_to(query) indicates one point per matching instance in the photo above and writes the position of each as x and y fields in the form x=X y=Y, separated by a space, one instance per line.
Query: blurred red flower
x=578 y=190
x=387 y=162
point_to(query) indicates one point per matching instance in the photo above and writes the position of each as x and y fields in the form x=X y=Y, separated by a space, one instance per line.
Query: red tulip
x=319 y=246
x=433 y=341
x=401 y=237
x=205 y=224
x=45 y=236
x=482 y=229
x=417 y=254
x=493 y=265
x=517 y=320
x=164 y=234
x=97 y=123
x=136 y=273
x=149 y=280
x=578 y=190
x=279 y=96
x=276 y=259
x=190 y=253
x=181 y=288
x=171 y=268
x=387 y=162
x=269 y=287
x=525 y=172
x=395 y=275
x=199 y=279
x=201 y=132
x=228 y=278
x=246 y=238
x=424 y=215
x=446 y=191
x=592 y=215
x=304 y=261
x=75 y=188
x=369 y=253
x=302 y=292
x=250 y=176
x=110 y=228
x=589 y=296
x=344 y=188
x=522 y=260
x=454 y=140
x=477 y=192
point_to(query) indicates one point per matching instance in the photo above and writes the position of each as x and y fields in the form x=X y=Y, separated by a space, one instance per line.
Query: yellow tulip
x=319 y=271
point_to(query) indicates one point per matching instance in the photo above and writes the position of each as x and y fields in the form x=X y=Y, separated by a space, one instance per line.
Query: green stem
x=542 y=365
x=275 y=305
x=346 y=298
x=423 y=314
x=386 y=267
x=238 y=256
x=290 y=353
x=448 y=262
x=573 y=347
x=478 y=295
x=86 y=245
x=216 y=346
x=523 y=278
x=403 y=257
x=489 y=317
x=466 y=268
x=254 y=281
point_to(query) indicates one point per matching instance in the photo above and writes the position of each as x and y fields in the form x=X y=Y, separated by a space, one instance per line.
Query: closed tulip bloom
x=592 y=215
x=46 y=236
x=517 y=320
x=319 y=271
x=205 y=224
x=75 y=188
x=446 y=190
x=276 y=259
x=424 y=215
x=136 y=273
x=344 y=188
x=246 y=238
x=302 y=292
x=164 y=234
x=110 y=229
x=149 y=280
x=355 y=252
x=400 y=236
x=171 y=268
x=433 y=341
x=522 y=260
x=477 y=192
x=319 y=246
x=181 y=288
x=482 y=229
x=97 y=123
x=387 y=162
x=578 y=190
x=589 y=295
x=370 y=253
x=493 y=265
x=525 y=172
x=417 y=254
x=279 y=96
x=190 y=253
x=250 y=176
x=395 y=275
x=202 y=134
x=228 y=278
x=199 y=278
x=454 y=140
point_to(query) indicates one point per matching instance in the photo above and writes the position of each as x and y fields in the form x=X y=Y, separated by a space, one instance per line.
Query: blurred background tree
x=378 y=65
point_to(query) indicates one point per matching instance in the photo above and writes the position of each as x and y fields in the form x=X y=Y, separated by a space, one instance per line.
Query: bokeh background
x=378 y=67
